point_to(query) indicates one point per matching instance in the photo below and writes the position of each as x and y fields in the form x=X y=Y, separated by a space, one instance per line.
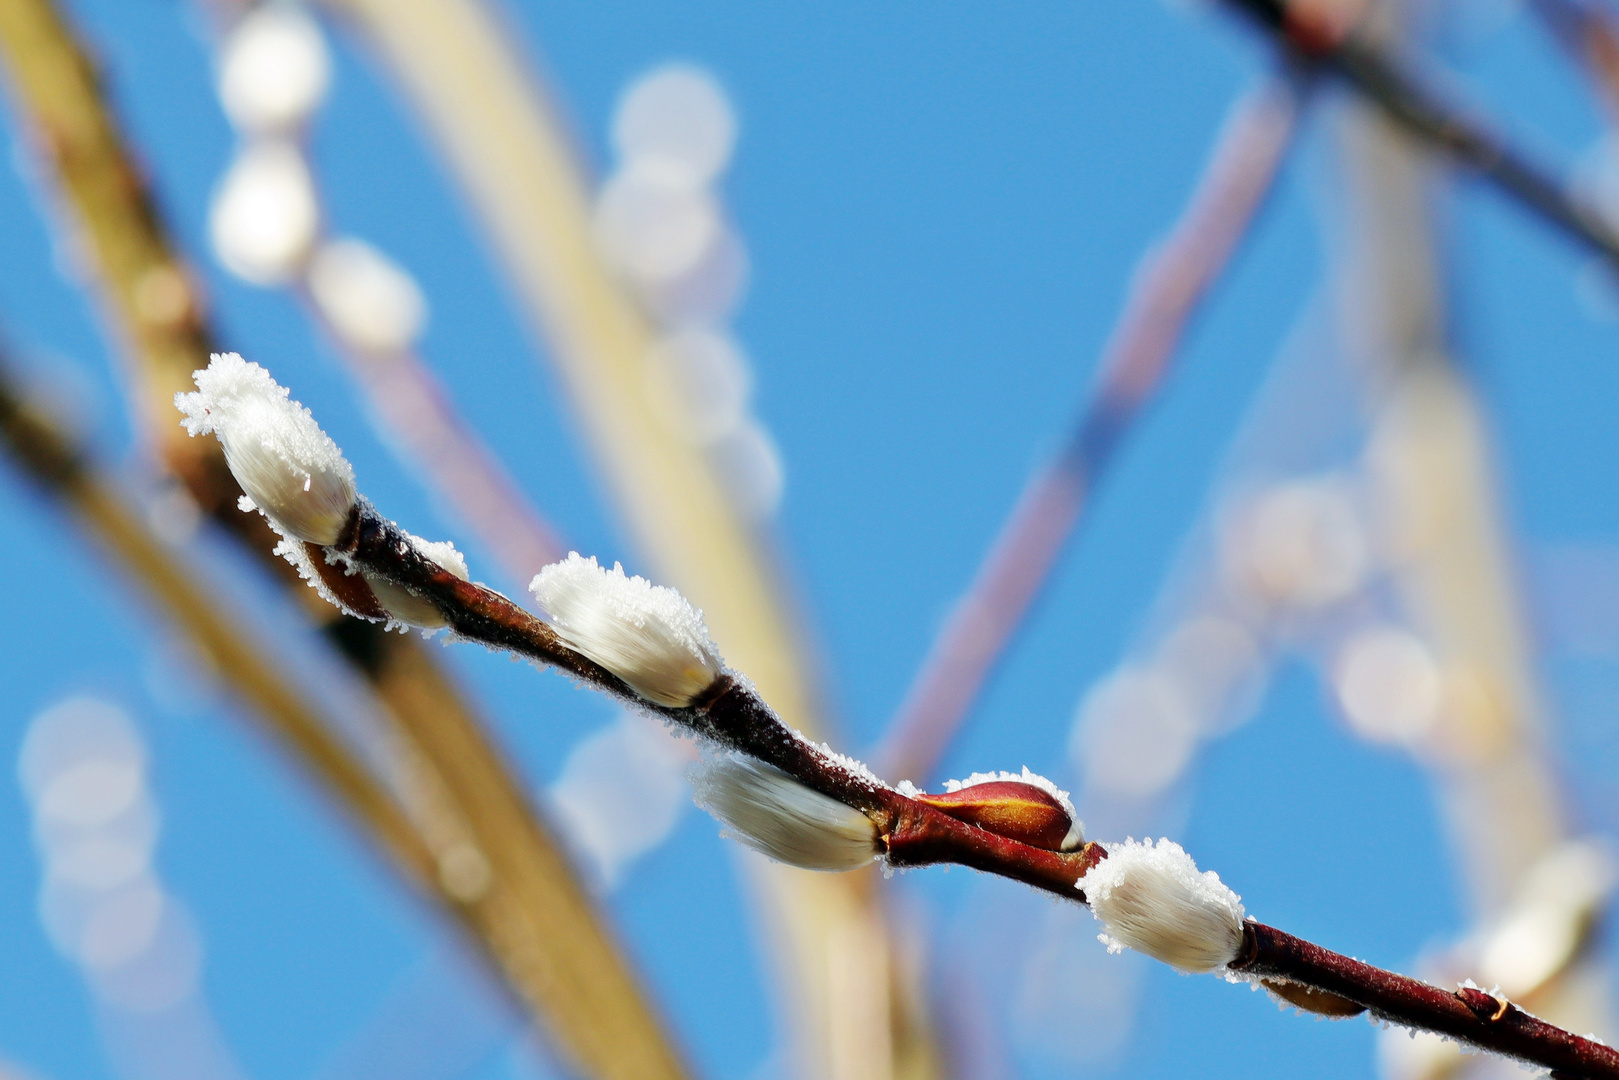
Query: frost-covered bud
x=289 y=467
x=648 y=635
x=1152 y=899
x=408 y=607
x=1027 y=808
x=776 y=815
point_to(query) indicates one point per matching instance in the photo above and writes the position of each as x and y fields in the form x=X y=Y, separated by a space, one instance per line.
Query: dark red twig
x=730 y=712
x=1382 y=79
x=1169 y=283
x=913 y=833
x=1470 y=1015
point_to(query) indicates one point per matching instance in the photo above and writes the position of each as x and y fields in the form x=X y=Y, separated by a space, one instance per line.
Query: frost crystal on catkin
x=648 y=635
x=291 y=469
x=1152 y=899
x=776 y=815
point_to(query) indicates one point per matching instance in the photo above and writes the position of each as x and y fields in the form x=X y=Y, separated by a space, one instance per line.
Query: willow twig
x=1469 y=1014
x=1171 y=281
x=913 y=832
x=500 y=133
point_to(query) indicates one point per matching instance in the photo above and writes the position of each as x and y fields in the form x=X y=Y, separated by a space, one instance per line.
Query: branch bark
x=913 y=833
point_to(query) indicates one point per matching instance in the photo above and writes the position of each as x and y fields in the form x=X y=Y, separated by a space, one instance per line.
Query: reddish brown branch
x=1470 y=1015
x=1170 y=282
x=913 y=833
x=730 y=713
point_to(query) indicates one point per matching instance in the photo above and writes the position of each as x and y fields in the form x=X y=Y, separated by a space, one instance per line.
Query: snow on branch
x=795 y=800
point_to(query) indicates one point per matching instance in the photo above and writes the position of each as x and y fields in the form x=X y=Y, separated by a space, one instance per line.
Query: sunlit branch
x=42 y=450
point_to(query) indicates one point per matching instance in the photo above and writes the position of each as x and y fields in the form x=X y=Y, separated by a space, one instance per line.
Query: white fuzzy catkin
x=291 y=469
x=1152 y=899
x=777 y=816
x=648 y=635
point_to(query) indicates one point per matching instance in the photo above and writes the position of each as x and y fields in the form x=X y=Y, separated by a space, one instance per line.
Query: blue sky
x=942 y=206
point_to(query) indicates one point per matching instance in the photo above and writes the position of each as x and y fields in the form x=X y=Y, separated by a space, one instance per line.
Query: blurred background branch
x=496 y=868
x=1170 y=282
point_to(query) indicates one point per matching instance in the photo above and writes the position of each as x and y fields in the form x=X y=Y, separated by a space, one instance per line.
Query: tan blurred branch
x=1431 y=460
x=1170 y=282
x=44 y=452
x=496 y=867
x=499 y=134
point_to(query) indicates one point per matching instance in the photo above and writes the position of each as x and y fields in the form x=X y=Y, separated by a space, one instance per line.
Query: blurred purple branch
x=1304 y=31
x=415 y=410
x=1169 y=283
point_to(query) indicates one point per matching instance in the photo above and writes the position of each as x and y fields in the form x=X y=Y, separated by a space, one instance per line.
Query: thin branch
x=1171 y=281
x=491 y=120
x=730 y=712
x=416 y=412
x=1383 y=79
x=794 y=799
x=913 y=832
x=1469 y=1014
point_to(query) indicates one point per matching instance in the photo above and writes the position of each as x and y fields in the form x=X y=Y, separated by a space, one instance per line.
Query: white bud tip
x=648 y=635
x=777 y=816
x=289 y=467
x=1152 y=899
x=406 y=607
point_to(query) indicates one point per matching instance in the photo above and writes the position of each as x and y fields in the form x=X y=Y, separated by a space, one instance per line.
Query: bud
x=777 y=816
x=404 y=605
x=1152 y=899
x=1027 y=808
x=291 y=470
x=648 y=635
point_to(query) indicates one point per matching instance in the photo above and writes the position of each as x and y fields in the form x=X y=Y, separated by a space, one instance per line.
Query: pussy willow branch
x=1382 y=79
x=730 y=712
x=1171 y=281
